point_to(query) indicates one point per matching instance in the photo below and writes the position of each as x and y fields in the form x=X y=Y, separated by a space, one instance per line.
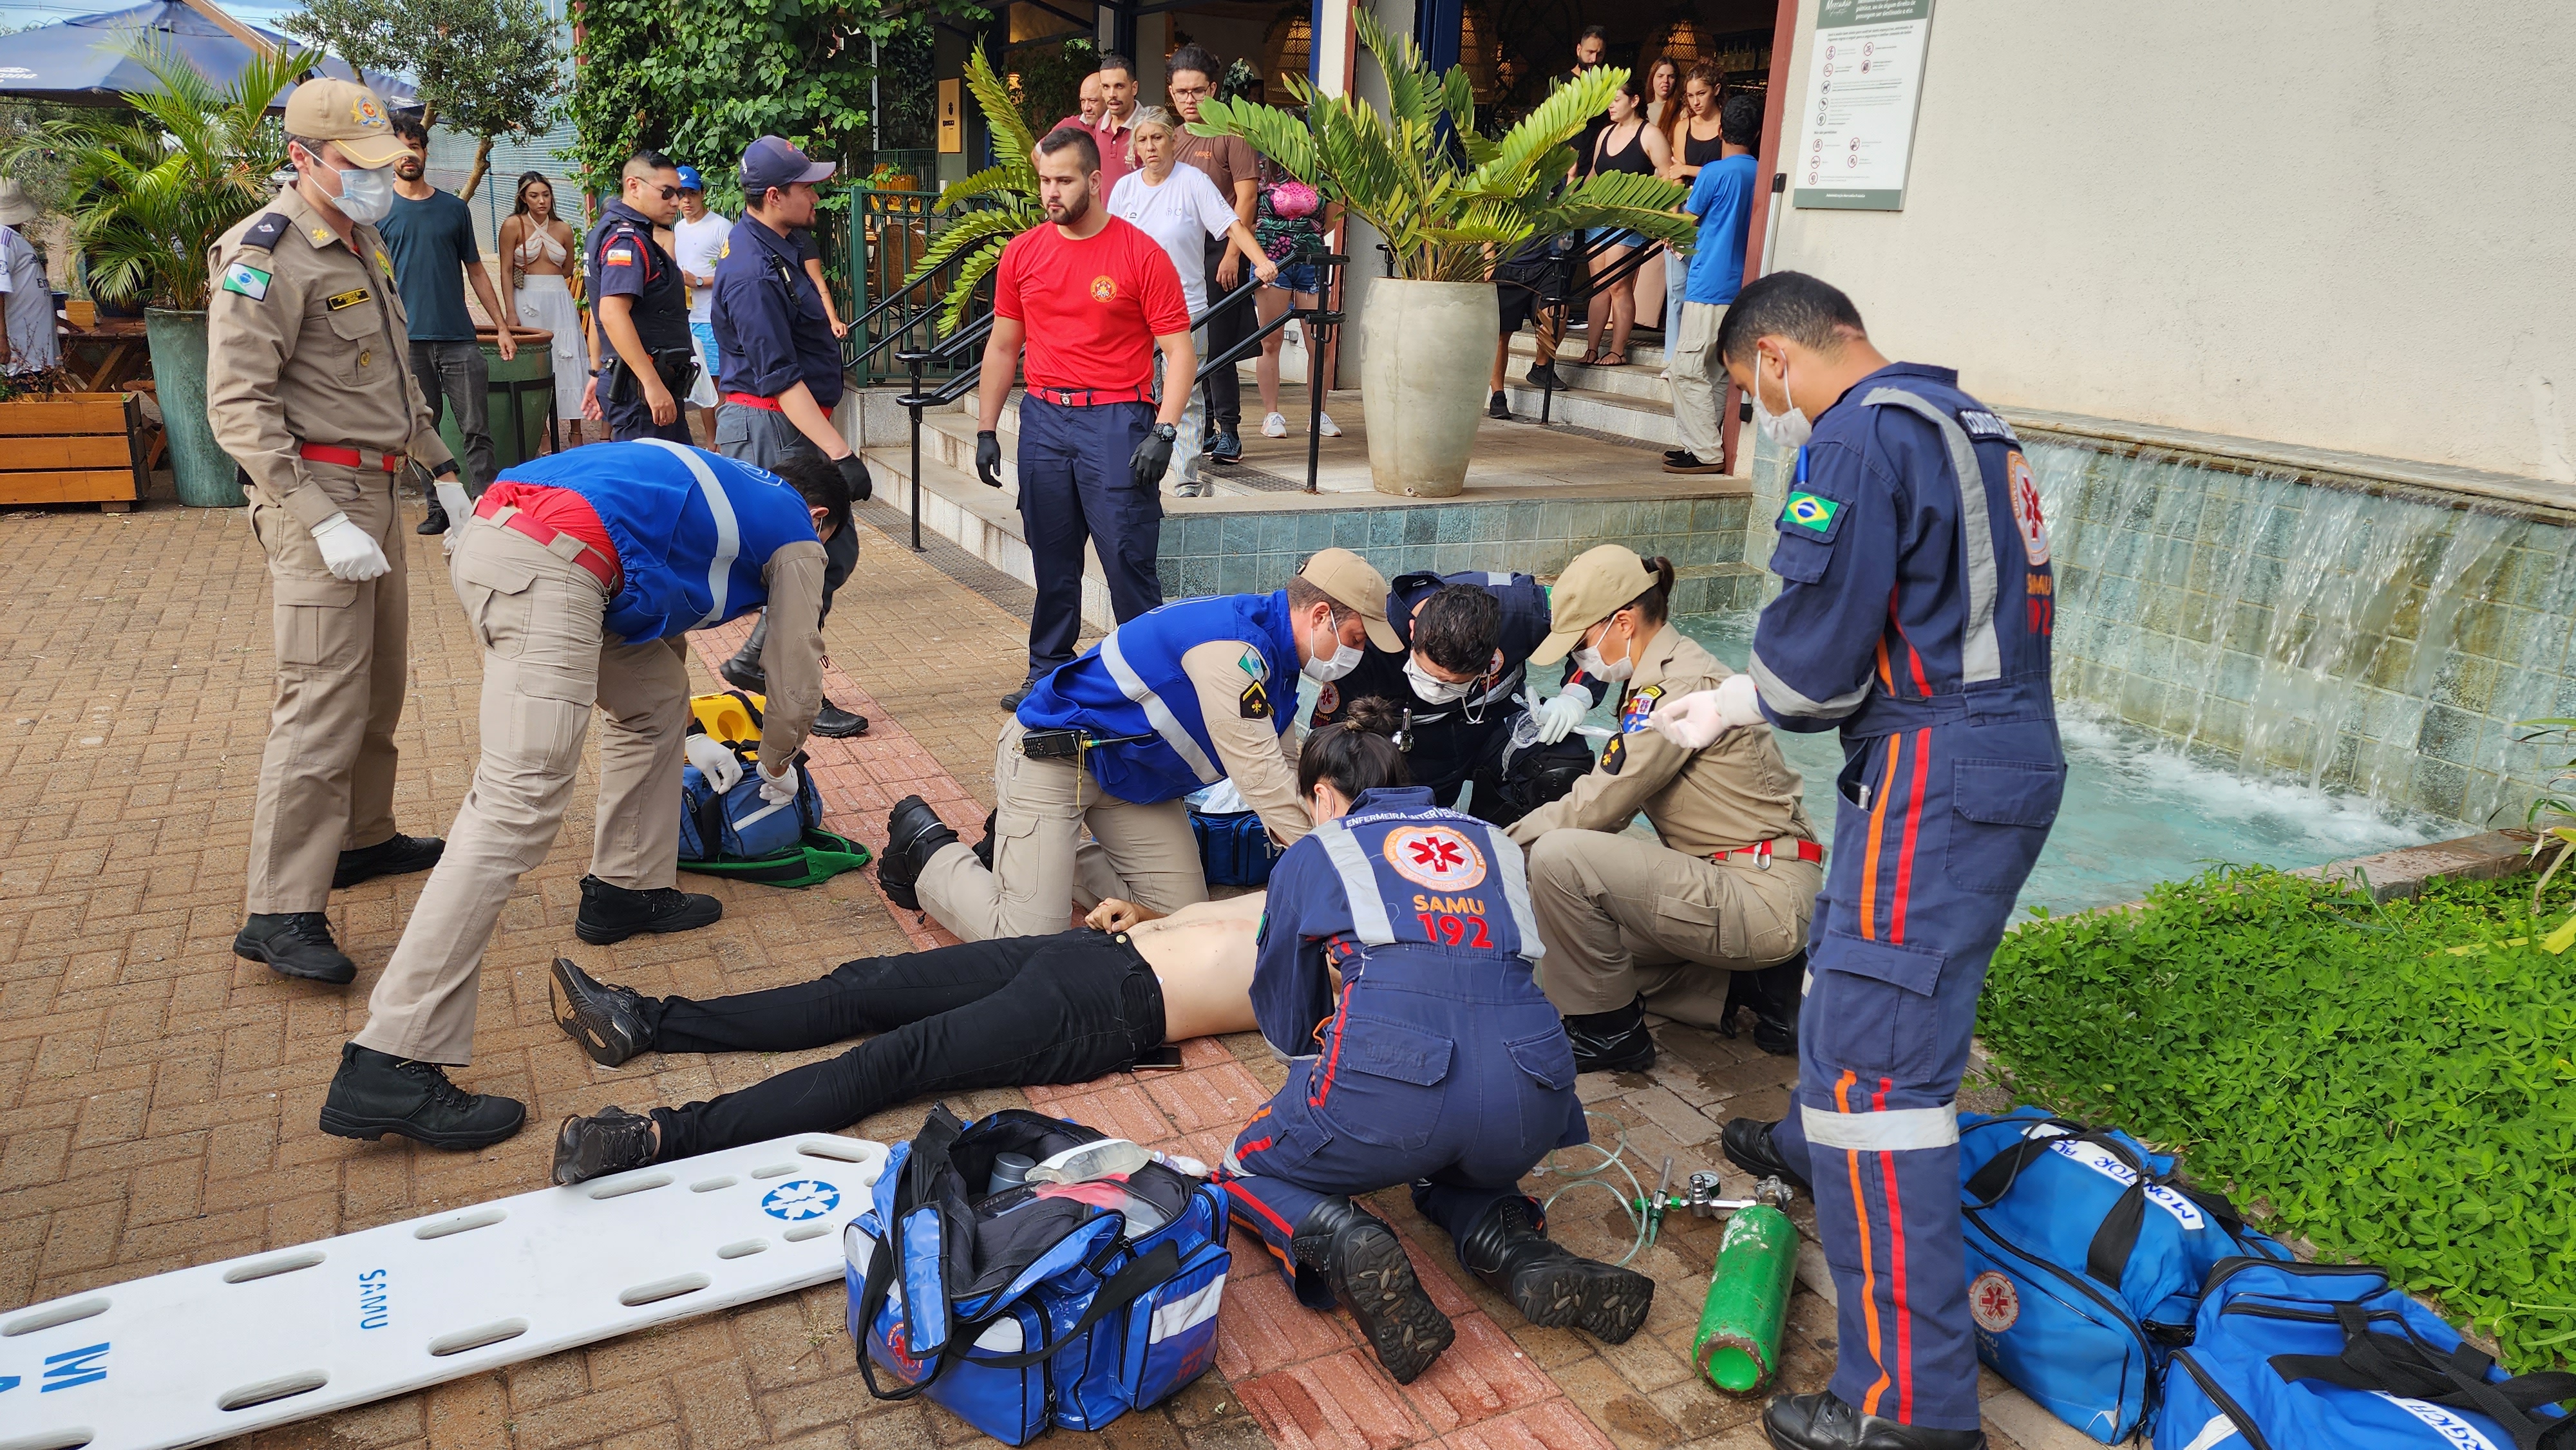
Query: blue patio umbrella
x=83 y=61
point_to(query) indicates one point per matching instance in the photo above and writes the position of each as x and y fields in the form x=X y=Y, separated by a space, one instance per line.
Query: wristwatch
x=1166 y=431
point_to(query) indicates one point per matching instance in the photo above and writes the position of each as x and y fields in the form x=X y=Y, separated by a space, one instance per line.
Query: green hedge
x=2336 y=1063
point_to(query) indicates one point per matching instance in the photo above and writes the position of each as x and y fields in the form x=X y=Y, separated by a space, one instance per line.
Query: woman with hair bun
x=1714 y=912
x=1395 y=975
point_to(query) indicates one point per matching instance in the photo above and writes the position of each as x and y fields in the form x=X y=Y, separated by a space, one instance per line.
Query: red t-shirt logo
x=1104 y=289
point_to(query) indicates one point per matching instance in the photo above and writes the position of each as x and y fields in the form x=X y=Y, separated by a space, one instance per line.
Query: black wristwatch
x=1167 y=432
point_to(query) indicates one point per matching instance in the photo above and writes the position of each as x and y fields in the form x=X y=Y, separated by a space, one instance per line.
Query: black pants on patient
x=1015 y=1012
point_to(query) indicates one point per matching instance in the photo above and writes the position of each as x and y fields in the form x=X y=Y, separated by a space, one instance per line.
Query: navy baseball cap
x=770 y=162
x=690 y=180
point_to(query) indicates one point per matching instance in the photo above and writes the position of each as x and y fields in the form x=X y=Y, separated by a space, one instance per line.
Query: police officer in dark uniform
x=641 y=308
x=1461 y=680
x=1436 y=1061
x=781 y=365
x=1914 y=615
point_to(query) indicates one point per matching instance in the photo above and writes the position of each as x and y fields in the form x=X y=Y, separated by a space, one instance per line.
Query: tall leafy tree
x=488 y=68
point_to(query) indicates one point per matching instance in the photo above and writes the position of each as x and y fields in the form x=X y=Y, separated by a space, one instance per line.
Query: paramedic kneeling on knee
x=1175 y=699
x=1438 y=1062
x=1633 y=924
x=581 y=574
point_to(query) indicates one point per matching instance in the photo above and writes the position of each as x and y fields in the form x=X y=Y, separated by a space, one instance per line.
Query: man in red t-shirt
x=1092 y=297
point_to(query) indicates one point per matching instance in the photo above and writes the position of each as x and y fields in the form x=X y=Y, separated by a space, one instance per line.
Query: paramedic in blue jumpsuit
x=1466 y=639
x=1436 y=1061
x=1914 y=615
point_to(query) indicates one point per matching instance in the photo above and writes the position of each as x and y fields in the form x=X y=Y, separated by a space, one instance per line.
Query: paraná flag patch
x=247 y=280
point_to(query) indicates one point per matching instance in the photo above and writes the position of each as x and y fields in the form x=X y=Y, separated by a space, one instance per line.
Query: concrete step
x=955 y=445
x=1617 y=414
x=956 y=505
x=1637 y=380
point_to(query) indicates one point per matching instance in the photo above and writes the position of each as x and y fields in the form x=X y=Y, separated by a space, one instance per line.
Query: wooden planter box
x=72 y=448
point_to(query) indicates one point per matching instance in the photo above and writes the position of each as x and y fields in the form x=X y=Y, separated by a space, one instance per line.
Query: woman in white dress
x=541 y=252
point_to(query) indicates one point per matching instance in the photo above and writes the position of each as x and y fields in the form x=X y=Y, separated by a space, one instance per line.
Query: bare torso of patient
x=1203 y=955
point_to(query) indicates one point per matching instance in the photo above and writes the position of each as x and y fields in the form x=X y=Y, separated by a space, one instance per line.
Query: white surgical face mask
x=1432 y=689
x=1324 y=671
x=1790 y=429
x=366 y=197
x=1589 y=660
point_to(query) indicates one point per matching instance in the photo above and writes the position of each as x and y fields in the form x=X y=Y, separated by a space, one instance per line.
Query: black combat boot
x=1549 y=1283
x=1363 y=1263
x=1822 y=1422
x=436 y=523
x=614 y=913
x=295 y=944
x=743 y=671
x=984 y=847
x=1613 y=1041
x=397 y=855
x=834 y=723
x=594 y=1147
x=612 y=1024
x=375 y=1093
x=914 y=834
x=1774 y=995
x=1747 y=1144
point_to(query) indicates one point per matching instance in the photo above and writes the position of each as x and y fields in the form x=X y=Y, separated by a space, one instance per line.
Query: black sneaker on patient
x=608 y=1022
x=594 y=1147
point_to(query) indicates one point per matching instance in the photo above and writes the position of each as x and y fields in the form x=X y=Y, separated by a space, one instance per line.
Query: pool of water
x=2136 y=810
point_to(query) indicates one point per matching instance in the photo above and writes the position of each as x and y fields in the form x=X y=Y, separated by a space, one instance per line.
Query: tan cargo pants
x=326 y=780
x=1625 y=917
x=1697 y=377
x=1145 y=854
x=546 y=660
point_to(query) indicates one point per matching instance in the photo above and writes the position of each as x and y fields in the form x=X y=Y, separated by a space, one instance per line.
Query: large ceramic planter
x=199 y=467
x=1425 y=348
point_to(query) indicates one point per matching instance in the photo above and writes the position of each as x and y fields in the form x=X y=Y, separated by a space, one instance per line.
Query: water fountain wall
x=2377 y=639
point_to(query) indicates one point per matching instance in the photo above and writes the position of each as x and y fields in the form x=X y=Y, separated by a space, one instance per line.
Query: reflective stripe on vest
x=1784 y=699
x=1515 y=873
x=1980 y=657
x=728 y=529
x=1894 y=1131
x=1359 y=883
x=1157 y=714
x=1370 y=920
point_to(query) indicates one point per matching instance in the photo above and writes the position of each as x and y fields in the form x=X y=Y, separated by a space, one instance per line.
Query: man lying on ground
x=1011 y=1012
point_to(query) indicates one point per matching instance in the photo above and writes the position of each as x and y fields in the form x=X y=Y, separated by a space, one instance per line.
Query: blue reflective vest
x=1131 y=685
x=1396 y=878
x=694 y=530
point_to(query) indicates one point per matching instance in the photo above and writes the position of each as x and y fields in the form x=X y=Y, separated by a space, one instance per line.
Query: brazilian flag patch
x=1811 y=514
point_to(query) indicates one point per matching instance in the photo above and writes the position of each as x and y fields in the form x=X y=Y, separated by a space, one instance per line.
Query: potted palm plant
x=154 y=187
x=1450 y=203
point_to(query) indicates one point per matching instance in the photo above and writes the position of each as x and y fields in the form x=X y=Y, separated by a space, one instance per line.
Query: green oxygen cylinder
x=1747 y=1310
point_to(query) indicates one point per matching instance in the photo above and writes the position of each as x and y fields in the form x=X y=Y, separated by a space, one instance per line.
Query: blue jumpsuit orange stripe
x=1912 y=618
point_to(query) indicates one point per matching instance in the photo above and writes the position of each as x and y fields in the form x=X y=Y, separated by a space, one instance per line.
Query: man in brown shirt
x=309 y=388
x=1229 y=161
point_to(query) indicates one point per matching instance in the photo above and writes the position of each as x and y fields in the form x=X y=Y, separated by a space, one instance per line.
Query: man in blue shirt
x=1722 y=199
x=431 y=236
x=781 y=365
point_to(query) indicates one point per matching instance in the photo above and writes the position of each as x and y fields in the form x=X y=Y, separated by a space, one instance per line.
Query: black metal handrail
x=1581 y=283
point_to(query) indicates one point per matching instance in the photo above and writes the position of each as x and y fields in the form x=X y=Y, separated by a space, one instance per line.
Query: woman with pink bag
x=1290 y=224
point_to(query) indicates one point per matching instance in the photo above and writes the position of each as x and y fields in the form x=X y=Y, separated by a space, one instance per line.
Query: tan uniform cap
x=1599 y=583
x=346 y=112
x=1354 y=581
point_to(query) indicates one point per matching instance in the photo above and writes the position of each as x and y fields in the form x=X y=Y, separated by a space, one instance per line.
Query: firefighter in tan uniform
x=1631 y=923
x=308 y=388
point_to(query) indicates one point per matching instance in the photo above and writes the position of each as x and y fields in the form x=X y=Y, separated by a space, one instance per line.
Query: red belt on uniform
x=1092 y=397
x=511 y=516
x=1763 y=851
x=350 y=457
x=766 y=405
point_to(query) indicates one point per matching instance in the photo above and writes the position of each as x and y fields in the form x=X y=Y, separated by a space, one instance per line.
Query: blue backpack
x=1235 y=849
x=1027 y=1307
x=2085 y=1257
x=738 y=825
x=2333 y=1357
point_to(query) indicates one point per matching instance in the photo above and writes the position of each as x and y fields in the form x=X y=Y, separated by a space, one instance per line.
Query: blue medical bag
x=1036 y=1305
x=1235 y=849
x=2085 y=1256
x=2293 y=1356
x=738 y=825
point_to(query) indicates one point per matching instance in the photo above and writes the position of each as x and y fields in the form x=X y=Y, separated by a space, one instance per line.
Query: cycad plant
x=1400 y=170
x=156 y=185
x=1004 y=196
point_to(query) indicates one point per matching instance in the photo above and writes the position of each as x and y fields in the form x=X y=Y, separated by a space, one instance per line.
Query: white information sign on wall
x=1864 y=79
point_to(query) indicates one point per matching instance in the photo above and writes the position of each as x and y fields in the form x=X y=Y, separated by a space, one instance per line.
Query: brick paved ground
x=158 y=1096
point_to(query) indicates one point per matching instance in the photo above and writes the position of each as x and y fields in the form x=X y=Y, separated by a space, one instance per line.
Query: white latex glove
x=347 y=551
x=451 y=497
x=1558 y=717
x=778 y=790
x=721 y=767
x=1696 y=720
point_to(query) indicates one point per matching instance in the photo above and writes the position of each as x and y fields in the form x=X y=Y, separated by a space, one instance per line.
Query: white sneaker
x=1326 y=427
x=1274 y=426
